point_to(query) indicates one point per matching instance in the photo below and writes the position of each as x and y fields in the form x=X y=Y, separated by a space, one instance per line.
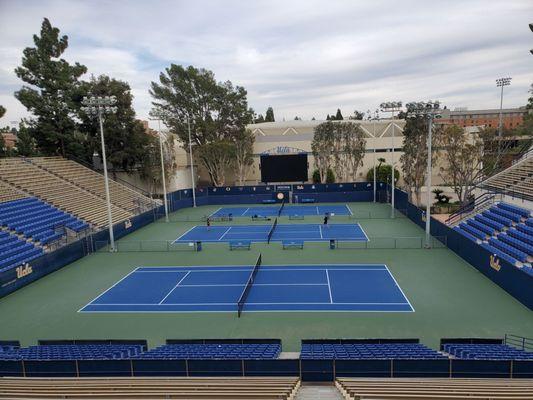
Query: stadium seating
x=66 y=196
x=93 y=182
x=498 y=218
x=15 y=251
x=481 y=227
x=7 y=193
x=433 y=388
x=489 y=222
x=517 y=179
x=515 y=209
x=214 y=351
x=512 y=251
x=357 y=351
x=486 y=352
x=37 y=220
x=265 y=388
x=72 y=352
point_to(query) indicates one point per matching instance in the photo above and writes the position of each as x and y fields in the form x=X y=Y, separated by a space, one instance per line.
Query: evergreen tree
x=269 y=117
x=338 y=116
x=2 y=111
x=125 y=137
x=52 y=93
x=259 y=119
x=25 y=141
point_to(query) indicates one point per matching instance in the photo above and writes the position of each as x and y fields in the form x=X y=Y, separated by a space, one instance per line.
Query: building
x=511 y=117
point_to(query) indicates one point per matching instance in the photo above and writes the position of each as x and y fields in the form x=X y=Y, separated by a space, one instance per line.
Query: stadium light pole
x=531 y=28
x=157 y=117
x=428 y=110
x=192 y=163
x=501 y=82
x=97 y=106
x=374 y=119
x=392 y=107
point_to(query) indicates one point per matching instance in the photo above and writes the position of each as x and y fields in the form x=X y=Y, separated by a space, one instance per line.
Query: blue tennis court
x=259 y=233
x=288 y=210
x=361 y=288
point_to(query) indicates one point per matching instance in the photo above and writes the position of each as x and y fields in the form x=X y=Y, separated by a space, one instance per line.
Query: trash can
x=332 y=244
x=198 y=246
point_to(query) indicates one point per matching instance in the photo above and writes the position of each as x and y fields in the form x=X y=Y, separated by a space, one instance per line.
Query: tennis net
x=272 y=230
x=249 y=283
x=281 y=208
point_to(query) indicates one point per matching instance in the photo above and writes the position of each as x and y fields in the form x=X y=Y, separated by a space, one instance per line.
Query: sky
x=304 y=58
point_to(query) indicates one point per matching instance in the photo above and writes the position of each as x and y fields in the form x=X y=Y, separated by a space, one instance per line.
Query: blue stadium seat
x=357 y=351
x=524 y=237
x=214 y=351
x=499 y=253
x=512 y=251
x=525 y=228
x=487 y=352
x=498 y=218
x=489 y=222
x=518 y=244
x=73 y=352
x=517 y=210
x=481 y=227
x=507 y=214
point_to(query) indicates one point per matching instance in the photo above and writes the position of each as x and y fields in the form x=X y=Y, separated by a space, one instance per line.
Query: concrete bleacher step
x=318 y=391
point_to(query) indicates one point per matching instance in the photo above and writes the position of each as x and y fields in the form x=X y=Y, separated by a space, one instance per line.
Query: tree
x=330 y=176
x=126 y=139
x=217 y=111
x=25 y=141
x=243 y=153
x=338 y=116
x=357 y=115
x=2 y=111
x=151 y=166
x=414 y=157
x=297 y=118
x=340 y=146
x=383 y=173
x=468 y=159
x=328 y=118
x=322 y=147
x=259 y=119
x=269 y=116
x=52 y=93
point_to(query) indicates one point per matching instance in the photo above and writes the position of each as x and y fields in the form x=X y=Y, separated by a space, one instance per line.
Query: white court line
x=401 y=291
x=245 y=211
x=183 y=234
x=329 y=287
x=349 y=209
x=213 y=213
x=320 y=230
x=224 y=234
x=317 y=213
x=177 y=284
x=109 y=288
x=233 y=303
x=259 y=284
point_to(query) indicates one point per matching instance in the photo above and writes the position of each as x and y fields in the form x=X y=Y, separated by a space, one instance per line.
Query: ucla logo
x=494 y=262
x=127 y=224
x=24 y=270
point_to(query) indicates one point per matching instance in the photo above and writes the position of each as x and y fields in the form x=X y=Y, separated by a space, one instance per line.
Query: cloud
x=304 y=58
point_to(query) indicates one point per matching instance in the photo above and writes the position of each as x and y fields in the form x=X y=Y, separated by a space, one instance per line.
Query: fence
x=438 y=242
x=133 y=246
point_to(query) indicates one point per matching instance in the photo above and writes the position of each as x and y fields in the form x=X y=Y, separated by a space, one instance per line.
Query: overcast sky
x=304 y=58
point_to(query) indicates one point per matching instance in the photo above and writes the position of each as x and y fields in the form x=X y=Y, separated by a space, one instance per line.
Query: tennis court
x=283 y=210
x=276 y=232
x=283 y=288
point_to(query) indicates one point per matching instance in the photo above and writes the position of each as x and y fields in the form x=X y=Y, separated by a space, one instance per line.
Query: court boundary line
x=255 y=304
x=214 y=212
x=329 y=287
x=349 y=209
x=183 y=234
x=385 y=268
x=224 y=234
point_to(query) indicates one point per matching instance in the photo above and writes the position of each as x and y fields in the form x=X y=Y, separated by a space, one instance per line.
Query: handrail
x=473 y=205
x=520 y=342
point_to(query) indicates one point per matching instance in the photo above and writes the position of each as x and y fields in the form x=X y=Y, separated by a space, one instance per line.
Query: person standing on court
x=326 y=218
x=208 y=223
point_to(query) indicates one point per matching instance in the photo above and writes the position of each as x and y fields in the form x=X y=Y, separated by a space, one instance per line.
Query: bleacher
x=72 y=352
x=264 y=388
x=359 y=351
x=434 y=388
x=185 y=351
x=505 y=230
x=516 y=180
x=15 y=251
x=66 y=196
x=93 y=182
x=7 y=193
x=479 y=351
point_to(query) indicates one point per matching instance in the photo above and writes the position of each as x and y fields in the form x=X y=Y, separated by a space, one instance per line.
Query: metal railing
x=479 y=203
x=519 y=342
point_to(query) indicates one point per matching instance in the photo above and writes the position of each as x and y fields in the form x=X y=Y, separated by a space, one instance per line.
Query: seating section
x=56 y=191
x=15 y=251
x=434 y=388
x=517 y=179
x=72 y=352
x=37 y=220
x=265 y=388
x=505 y=230
x=358 y=351
x=93 y=182
x=259 y=351
x=487 y=352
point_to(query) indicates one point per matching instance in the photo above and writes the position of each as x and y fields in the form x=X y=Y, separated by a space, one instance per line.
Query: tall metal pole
x=163 y=177
x=392 y=168
x=106 y=183
x=428 y=185
x=192 y=163
x=374 y=133
x=501 y=82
